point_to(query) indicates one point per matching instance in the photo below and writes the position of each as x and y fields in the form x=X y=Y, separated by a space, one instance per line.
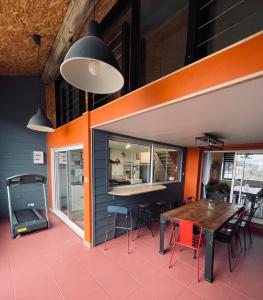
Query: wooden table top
x=136 y=190
x=198 y=212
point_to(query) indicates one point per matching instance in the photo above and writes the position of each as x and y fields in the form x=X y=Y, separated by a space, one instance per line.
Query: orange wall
x=73 y=133
x=192 y=172
x=222 y=67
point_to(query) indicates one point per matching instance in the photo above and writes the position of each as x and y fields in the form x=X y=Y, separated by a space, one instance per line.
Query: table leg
x=209 y=256
x=162 y=223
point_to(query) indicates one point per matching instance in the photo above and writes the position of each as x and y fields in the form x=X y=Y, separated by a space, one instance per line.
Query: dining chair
x=189 y=235
x=245 y=224
x=227 y=233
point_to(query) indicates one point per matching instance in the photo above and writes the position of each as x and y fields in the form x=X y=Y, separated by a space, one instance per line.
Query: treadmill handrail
x=25 y=179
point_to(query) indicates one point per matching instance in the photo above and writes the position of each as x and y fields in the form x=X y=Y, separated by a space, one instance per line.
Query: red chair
x=189 y=235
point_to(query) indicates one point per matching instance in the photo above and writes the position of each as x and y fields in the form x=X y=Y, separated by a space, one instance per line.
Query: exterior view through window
x=131 y=163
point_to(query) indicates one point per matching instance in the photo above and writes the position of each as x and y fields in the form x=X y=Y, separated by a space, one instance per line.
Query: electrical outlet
x=32 y=204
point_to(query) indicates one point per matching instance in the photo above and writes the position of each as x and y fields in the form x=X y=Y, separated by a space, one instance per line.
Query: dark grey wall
x=20 y=98
x=101 y=198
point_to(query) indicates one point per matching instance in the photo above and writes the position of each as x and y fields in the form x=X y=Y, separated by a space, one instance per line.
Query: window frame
x=224 y=167
x=152 y=145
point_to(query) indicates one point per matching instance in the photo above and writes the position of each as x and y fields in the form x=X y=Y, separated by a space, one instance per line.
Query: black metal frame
x=63 y=103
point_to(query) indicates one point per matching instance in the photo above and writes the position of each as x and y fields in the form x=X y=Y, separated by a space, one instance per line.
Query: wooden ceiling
x=19 y=20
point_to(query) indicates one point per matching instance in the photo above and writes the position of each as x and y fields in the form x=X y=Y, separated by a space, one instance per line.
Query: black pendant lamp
x=89 y=65
x=39 y=121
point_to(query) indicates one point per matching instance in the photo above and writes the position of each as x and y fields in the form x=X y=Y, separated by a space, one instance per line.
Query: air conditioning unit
x=209 y=142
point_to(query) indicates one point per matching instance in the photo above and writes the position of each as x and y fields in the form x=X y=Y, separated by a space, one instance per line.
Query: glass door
x=75 y=196
x=61 y=183
x=248 y=179
x=69 y=185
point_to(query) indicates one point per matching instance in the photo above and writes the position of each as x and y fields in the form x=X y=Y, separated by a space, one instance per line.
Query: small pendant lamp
x=39 y=121
x=89 y=65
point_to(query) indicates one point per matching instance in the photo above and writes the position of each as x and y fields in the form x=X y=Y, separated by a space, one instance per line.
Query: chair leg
x=250 y=236
x=115 y=219
x=106 y=233
x=150 y=224
x=229 y=256
x=231 y=249
x=198 y=266
x=171 y=238
x=195 y=254
x=173 y=249
x=131 y=226
x=139 y=221
x=244 y=234
x=128 y=234
x=240 y=243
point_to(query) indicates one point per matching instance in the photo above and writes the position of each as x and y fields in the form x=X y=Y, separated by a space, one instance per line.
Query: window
x=130 y=162
x=228 y=166
x=70 y=102
x=165 y=164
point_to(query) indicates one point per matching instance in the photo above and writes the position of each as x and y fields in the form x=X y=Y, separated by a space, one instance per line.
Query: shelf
x=137 y=190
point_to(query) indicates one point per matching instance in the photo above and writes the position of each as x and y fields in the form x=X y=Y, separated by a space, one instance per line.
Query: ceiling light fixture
x=89 y=64
x=39 y=121
x=209 y=142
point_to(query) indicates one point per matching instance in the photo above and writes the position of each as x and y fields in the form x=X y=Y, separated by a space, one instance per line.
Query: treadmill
x=28 y=219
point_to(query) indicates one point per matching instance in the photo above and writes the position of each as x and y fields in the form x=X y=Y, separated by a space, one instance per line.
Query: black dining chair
x=227 y=233
x=245 y=224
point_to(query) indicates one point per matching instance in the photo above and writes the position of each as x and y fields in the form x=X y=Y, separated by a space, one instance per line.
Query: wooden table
x=137 y=190
x=211 y=220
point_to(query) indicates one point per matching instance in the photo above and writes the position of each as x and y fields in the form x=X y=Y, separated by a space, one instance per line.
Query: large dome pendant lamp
x=39 y=121
x=89 y=65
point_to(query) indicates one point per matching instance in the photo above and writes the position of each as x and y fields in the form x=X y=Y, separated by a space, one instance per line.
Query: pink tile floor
x=55 y=264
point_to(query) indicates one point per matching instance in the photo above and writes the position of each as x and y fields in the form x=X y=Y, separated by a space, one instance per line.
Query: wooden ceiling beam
x=72 y=28
x=76 y=16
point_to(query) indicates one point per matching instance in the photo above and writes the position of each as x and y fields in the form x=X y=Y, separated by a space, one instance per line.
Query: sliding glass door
x=69 y=198
x=248 y=179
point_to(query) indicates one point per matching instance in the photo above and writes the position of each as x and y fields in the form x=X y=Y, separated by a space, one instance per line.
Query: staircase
x=160 y=172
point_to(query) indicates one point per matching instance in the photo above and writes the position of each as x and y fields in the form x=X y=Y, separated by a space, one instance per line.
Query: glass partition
x=129 y=163
x=132 y=163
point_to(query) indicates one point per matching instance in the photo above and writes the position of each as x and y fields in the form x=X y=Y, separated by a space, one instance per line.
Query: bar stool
x=145 y=209
x=161 y=206
x=115 y=211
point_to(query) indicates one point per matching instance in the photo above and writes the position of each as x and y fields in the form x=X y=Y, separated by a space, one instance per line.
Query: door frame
x=243 y=151
x=79 y=231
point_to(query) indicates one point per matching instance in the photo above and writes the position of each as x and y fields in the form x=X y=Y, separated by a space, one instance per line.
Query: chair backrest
x=236 y=227
x=189 y=234
x=252 y=213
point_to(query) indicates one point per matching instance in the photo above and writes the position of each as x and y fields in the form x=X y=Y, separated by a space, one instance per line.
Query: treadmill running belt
x=25 y=215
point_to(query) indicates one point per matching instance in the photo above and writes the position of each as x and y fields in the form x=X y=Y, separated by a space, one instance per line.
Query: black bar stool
x=160 y=207
x=115 y=211
x=145 y=210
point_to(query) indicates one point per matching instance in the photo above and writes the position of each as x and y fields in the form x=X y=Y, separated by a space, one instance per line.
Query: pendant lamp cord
x=38 y=66
x=94 y=6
